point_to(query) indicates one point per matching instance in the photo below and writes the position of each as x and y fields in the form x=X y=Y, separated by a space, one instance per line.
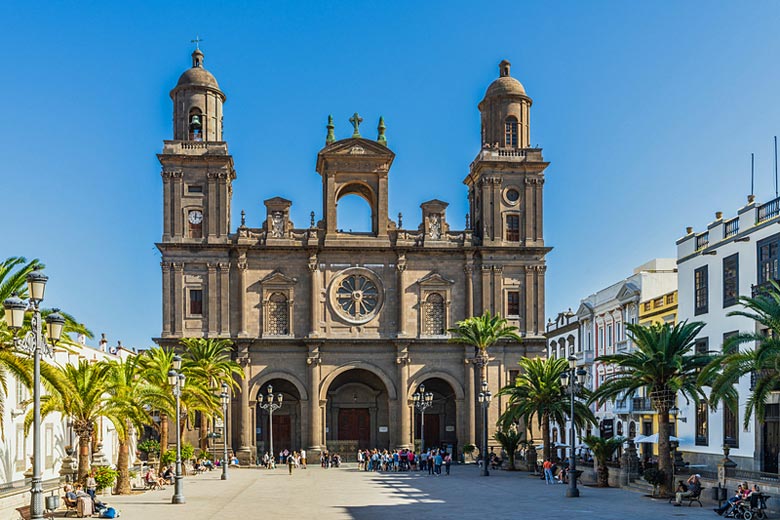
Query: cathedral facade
x=348 y=326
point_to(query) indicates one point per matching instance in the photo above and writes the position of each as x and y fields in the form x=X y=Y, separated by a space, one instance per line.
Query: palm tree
x=128 y=395
x=210 y=360
x=662 y=365
x=763 y=361
x=538 y=394
x=79 y=393
x=602 y=450
x=481 y=332
x=155 y=364
x=509 y=439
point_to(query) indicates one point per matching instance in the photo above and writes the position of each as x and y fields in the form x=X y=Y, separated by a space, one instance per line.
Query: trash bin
x=52 y=502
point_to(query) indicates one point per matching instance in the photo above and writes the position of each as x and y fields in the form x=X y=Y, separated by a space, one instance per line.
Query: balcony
x=585 y=356
x=623 y=406
x=642 y=405
x=702 y=240
x=768 y=211
x=759 y=288
x=622 y=345
x=730 y=228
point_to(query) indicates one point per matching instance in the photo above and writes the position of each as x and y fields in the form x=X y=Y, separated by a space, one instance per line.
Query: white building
x=602 y=318
x=56 y=434
x=730 y=259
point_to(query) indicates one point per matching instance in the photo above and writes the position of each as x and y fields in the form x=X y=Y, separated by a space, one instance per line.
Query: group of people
x=555 y=474
x=431 y=460
x=330 y=460
x=86 y=502
x=294 y=459
x=153 y=479
x=742 y=497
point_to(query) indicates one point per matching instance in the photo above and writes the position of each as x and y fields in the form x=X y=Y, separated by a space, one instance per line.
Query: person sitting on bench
x=694 y=490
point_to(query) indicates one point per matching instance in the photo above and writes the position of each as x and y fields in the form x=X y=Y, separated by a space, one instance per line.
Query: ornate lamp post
x=225 y=398
x=271 y=406
x=176 y=380
x=484 y=400
x=422 y=401
x=574 y=378
x=34 y=343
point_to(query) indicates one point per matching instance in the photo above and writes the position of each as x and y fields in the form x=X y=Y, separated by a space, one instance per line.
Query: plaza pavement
x=347 y=493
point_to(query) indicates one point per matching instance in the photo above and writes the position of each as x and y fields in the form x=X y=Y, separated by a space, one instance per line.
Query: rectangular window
x=669 y=299
x=648 y=306
x=729 y=349
x=730 y=280
x=701 y=346
x=609 y=335
x=767 y=259
x=513 y=228
x=700 y=290
x=196 y=301
x=194 y=189
x=513 y=303
x=730 y=427
x=702 y=418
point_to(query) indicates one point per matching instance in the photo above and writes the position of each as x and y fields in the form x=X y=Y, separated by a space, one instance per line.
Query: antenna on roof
x=775 y=166
x=752 y=172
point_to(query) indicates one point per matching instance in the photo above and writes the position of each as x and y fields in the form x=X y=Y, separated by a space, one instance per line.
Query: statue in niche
x=277 y=224
x=434 y=226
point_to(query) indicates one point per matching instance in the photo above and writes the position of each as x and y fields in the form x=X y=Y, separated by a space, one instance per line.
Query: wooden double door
x=355 y=425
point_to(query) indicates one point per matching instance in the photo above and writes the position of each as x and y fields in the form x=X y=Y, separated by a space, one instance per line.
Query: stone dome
x=197 y=75
x=505 y=85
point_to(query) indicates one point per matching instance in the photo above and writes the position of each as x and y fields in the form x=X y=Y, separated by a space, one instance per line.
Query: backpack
x=109 y=512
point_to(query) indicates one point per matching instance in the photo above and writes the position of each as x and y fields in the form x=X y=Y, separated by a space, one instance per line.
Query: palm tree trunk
x=664 y=451
x=163 y=437
x=123 y=467
x=204 y=441
x=603 y=475
x=84 y=446
x=546 y=436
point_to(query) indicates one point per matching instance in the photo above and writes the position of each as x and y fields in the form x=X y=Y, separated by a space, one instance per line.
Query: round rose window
x=356 y=295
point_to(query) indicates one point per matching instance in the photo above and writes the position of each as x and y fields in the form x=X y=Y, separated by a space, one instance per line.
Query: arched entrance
x=357 y=412
x=286 y=420
x=440 y=419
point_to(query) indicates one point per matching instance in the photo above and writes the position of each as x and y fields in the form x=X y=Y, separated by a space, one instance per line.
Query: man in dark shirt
x=694 y=489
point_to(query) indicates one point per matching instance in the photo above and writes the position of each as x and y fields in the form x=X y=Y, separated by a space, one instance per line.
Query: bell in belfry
x=196 y=120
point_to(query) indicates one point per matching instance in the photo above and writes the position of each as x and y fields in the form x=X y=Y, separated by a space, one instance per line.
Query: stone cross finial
x=356 y=120
x=331 y=137
x=381 y=138
x=197 y=41
x=243 y=218
x=311 y=223
x=400 y=220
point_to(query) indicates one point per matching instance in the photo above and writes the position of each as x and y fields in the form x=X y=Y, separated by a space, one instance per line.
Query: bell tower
x=506 y=178
x=197 y=169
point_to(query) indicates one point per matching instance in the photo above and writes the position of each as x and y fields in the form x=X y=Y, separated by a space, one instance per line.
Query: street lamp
x=225 y=397
x=176 y=380
x=35 y=344
x=271 y=406
x=574 y=378
x=422 y=401
x=484 y=399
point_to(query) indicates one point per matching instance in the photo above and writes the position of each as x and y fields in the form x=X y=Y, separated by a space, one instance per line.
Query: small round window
x=512 y=195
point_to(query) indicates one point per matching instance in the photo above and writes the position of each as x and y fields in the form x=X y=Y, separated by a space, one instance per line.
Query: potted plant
x=105 y=477
x=655 y=477
x=150 y=447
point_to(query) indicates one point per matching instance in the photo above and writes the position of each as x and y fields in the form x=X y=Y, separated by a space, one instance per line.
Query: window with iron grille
x=433 y=317
x=278 y=315
x=701 y=290
x=730 y=280
x=767 y=259
x=701 y=346
x=730 y=427
x=510 y=134
x=513 y=228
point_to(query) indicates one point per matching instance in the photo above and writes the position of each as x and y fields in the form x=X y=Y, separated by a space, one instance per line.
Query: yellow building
x=659 y=310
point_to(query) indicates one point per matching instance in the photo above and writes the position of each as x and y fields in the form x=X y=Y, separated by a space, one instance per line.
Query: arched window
x=196 y=125
x=278 y=315
x=433 y=317
x=510 y=132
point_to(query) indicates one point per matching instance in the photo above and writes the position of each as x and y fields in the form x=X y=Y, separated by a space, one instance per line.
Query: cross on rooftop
x=196 y=41
x=356 y=120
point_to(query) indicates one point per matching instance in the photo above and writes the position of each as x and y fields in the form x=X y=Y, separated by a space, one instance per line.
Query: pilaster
x=179 y=298
x=167 y=318
x=224 y=289
x=213 y=299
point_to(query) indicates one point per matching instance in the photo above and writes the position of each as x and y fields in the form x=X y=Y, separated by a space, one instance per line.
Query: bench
x=70 y=506
x=24 y=512
x=151 y=484
x=691 y=499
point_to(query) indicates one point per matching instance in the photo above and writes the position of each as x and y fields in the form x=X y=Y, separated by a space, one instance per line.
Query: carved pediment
x=629 y=292
x=355 y=155
x=584 y=310
x=277 y=201
x=434 y=279
x=278 y=278
x=357 y=146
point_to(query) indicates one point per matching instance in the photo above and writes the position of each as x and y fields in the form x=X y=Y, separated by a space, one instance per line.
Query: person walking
x=548 y=476
x=447 y=463
x=290 y=463
x=303 y=459
x=437 y=462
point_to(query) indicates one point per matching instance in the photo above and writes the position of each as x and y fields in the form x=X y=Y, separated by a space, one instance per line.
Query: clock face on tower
x=195 y=217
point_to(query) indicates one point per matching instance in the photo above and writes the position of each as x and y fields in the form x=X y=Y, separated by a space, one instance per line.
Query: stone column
x=245 y=452
x=314 y=306
x=315 y=415
x=528 y=214
x=212 y=212
x=177 y=194
x=487 y=214
x=498 y=225
x=224 y=291
x=166 y=176
x=404 y=425
x=487 y=303
x=213 y=298
x=167 y=298
x=179 y=298
x=498 y=279
x=468 y=270
x=401 y=310
x=242 y=267
x=471 y=397
x=528 y=315
x=539 y=215
x=540 y=270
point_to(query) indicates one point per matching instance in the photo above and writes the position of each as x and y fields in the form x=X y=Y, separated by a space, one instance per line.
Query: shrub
x=105 y=477
x=149 y=446
x=187 y=452
x=655 y=477
x=468 y=449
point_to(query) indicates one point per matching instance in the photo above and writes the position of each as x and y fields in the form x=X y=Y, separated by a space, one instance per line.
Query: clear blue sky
x=647 y=111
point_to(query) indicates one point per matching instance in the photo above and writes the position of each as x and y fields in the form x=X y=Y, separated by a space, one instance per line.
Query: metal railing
x=23 y=486
x=731 y=227
x=768 y=210
x=760 y=476
x=642 y=404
